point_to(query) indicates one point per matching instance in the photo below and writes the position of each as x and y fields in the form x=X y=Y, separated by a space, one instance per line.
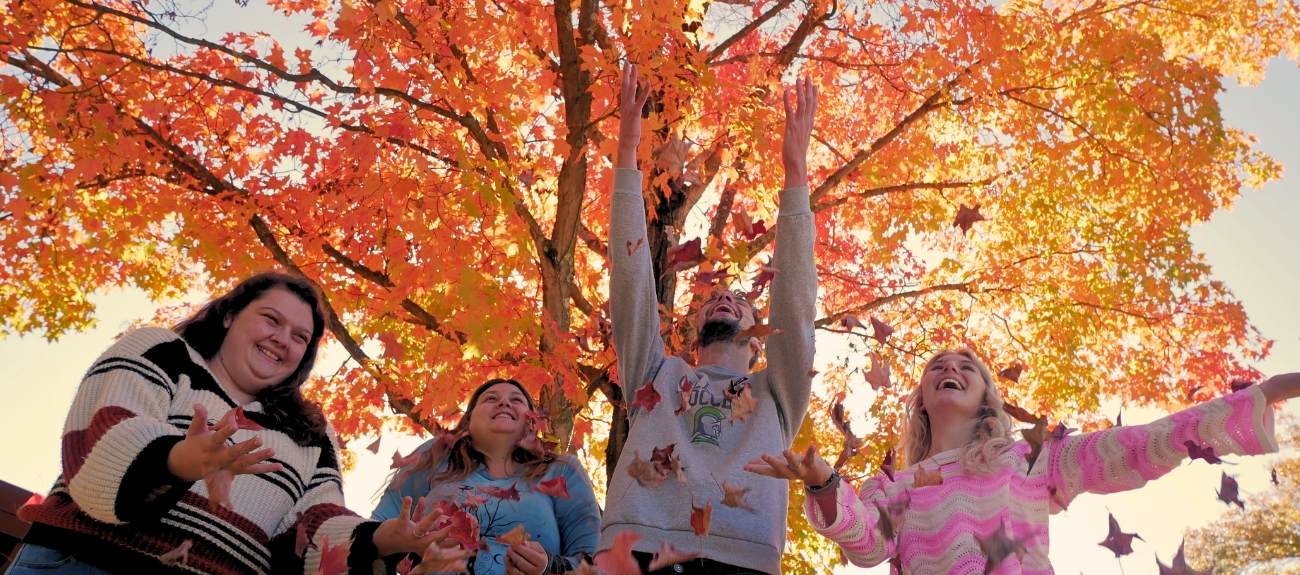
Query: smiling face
x=264 y=343
x=727 y=306
x=953 y=386
x=499 y=410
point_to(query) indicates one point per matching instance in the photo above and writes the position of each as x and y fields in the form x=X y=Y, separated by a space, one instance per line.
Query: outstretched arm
x=794 y=287
x=633 y=307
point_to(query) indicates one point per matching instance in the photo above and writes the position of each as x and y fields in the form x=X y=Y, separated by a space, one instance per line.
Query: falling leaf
x=1191 y=393
x=997 y=547
x=510 y=493
x=218 y=484
x=1119 y=542
x=1180 y=566
x=646 y=397
x=632 y=248
x=301 y=542
x=851 y=441
x=966 y=217
x=880 y=330
x=746 y=226
x=438 y=559
x=1240 y=384
x=1034 y=436
x=893 y=515
x=765 y=275
x=734 y=496
x=1228 y=492
x=1060 y=431
x=685 y=255
x=1012 y=373
x=671 y=155
x=585 y=567
x=812 y=373
x=742 y=404
x=473 y=501
x=887 y=465
x=666 y=464
x=1274 y=473
x=527 y=177
x=557 y=487
x=540 y=423
x=701 y=518
x=333 y=560
x=1057 y=497
x=710 y=278
x=404 y=566
x=393 y=348
x=464 y=526
x=925 y=478
x=758 y=330
x=851 y=322
x=1119 y=419
x=374 y=447
x=668 y=555
x=645 y=474
x=693 y=178
x=179 y=555
x=684 y=388
x=243 y=422
x=516 y=536
x=1195 y=451
x=618 y=560
x=400 y=462
x=878 y=376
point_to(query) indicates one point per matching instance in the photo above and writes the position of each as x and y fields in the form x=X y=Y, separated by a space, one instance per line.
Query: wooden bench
x=12 y=528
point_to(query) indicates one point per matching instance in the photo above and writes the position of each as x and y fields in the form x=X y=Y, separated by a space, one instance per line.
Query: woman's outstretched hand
x=800 y=112
x=1281 y=387
x=527 y=558
x=809 y=468
x=409 y=533
x=204 y=453
x=632 y=96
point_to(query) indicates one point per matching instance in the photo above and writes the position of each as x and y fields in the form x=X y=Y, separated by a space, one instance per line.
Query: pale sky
x=1254 y=249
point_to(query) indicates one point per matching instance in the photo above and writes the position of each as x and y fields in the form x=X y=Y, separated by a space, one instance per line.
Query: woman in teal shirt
x=489 y=468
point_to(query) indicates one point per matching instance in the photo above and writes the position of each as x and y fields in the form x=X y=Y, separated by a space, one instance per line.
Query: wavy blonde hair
x=990 y=436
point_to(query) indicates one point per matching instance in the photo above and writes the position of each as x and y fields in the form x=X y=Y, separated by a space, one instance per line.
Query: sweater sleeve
x=320 y=512
x=792 y=309
x=634 y=309
x=856 y=526
x=578 y=517
x=116 y=438
x=1124 y=458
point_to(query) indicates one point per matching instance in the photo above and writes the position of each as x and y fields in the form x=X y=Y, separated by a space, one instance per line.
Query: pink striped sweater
x=942 y=521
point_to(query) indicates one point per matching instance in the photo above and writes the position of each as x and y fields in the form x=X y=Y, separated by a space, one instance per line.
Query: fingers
x=405 y=512
x=420 y=509
x=200 y=422
x=246 y=463
x=218 y=440
x=796 y=463
x=781 y=468
x=433 y=538
x=789 y=106
x=424 y=524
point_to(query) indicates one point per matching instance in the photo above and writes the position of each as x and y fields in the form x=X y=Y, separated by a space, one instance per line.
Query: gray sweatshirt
x=712 y=448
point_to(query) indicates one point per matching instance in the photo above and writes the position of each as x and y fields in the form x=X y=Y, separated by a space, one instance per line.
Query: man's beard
x=719 y=330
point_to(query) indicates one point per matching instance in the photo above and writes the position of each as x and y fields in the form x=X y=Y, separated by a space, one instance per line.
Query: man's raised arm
x=633 y=307
x=794 y=287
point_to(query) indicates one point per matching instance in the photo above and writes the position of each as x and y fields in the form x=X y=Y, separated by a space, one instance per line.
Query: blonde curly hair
x=990 y=436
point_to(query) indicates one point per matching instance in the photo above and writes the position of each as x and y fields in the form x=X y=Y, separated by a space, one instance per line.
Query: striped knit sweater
x=943 y=521
x=116 y=506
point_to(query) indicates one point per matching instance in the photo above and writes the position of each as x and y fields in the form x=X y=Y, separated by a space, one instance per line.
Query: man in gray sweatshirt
x=679 y=453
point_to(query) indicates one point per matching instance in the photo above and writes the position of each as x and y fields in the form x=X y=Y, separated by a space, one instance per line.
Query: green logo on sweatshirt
x=707 y=425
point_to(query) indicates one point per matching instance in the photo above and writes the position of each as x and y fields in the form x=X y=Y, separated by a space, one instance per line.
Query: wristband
x=826 y=489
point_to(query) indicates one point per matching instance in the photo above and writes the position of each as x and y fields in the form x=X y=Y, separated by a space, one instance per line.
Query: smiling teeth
x=267 y=353
x=957 y=384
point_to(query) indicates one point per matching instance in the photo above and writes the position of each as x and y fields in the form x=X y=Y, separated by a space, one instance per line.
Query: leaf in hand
x=557 y=487
x=333 y=560
x=404 y=566
x=218 y=484
x=179 y=555
x=701 y=518
x=758 y=330
x=966 y=217
x=1195 y=451
x=926 y=478
x=618 y=559
x=671 y=155
x=684 y=391
x=887 y=465
x=646 y=397
x=632 y=248
x=878 y=376
x=400 y=462
x=1228 y=492
x=301 y=542
x=998 y=546
x=243 y=422
x=685 y=255
x=516 y=536
x=1180 y=566
x=742 y=405
x=1012 y=373
x=510 y=493
x=374 y=447
x=880 y=330
x=734 y=496
x=893 y=516
x=1117 y=541
x=668 y=555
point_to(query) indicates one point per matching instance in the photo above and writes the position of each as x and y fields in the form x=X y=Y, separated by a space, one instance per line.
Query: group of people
x=192 y=450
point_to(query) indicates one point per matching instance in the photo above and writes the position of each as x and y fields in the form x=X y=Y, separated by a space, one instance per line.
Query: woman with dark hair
x=163 y=409
x=490 y=476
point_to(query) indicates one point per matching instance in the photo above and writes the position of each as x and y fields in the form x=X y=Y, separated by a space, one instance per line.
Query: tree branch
x=420 y=315
x=882 y=301
x=747 y=30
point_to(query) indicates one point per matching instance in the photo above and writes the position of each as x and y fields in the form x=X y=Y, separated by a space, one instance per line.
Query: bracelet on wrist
x=831 y=482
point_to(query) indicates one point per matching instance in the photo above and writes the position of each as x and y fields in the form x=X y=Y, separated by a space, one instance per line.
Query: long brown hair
x=453 y=457
x=990 y=436
x=283 y=402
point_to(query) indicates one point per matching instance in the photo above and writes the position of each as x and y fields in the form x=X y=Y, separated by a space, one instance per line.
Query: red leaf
x=179 y=555
x=404 y=566
x=685 y=255
x=1195 y=451
x=742 y=404
x=701 y=518
x=301 y=542
x=243 y=422
x=1180 y=565
x=1012 y=373
x=510 y=493
x=966 y=217
x=1060 y=431
x=333 y=560
x=1117 y=541
x=758 y=330
x=926 y=478
x=746 y=226
x=709 y=278
x=464 y=526
x=473 y=501
x=374 y=447
x=516 y=536
x=668 y=555
x=998 y=546
x=393 y=348
x=557 y=487
x=880 y=330
x=632 y=248
x=887 y=465
x=1228 y=492
x=850 y=322
x=684 y=391
x=666 y=464
x=878 y=376
x=893 y=516
x=618 y=559
x=400 y=462
x=646 y=397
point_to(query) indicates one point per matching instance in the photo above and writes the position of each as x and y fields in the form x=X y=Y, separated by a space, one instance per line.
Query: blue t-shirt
x=564 y=527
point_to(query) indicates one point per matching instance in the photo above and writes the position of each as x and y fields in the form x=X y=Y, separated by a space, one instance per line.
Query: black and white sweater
x=115 y=504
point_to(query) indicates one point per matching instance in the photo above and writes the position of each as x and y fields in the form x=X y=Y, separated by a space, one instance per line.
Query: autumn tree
x=442 y=170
